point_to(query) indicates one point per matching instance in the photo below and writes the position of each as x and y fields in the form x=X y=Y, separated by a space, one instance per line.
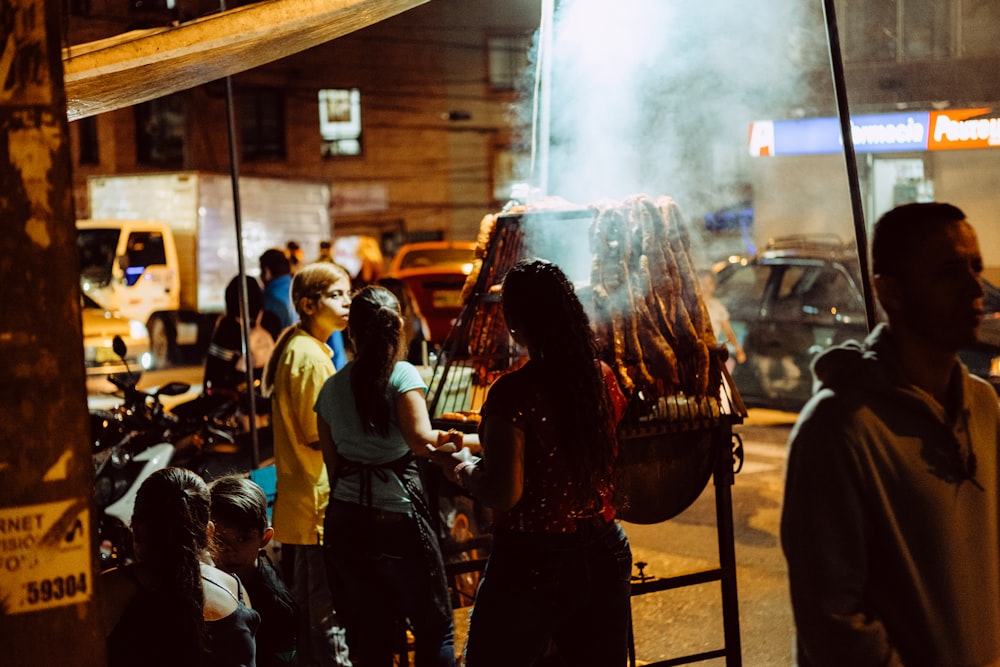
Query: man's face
x=940 y=295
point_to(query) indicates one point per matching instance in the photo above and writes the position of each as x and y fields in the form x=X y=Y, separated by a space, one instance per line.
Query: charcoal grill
x=670 y=445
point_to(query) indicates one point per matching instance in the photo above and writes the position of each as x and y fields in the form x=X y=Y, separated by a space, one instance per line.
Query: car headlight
x=137 y=330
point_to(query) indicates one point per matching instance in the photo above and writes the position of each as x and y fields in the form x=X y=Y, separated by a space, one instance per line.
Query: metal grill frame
x=480 y=361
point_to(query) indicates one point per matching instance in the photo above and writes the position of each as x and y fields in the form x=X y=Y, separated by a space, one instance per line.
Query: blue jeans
x=385 y=568
x=571 y=590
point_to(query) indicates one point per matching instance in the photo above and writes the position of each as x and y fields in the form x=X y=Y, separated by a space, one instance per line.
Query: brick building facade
x=436 y=85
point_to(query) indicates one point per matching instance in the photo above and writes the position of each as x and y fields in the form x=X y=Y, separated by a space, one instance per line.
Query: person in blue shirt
x=276 y=274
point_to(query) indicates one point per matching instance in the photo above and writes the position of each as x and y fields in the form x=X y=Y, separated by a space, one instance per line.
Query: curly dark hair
x=376 y=328
x=170 y=522
x=540 y=302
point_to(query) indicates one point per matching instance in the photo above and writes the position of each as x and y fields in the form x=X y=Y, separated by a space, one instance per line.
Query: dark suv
x=799 y=296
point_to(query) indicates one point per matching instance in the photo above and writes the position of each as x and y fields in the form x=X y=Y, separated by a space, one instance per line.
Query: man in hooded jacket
x=890 y=524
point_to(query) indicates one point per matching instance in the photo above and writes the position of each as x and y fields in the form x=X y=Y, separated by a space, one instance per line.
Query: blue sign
x=878 y=133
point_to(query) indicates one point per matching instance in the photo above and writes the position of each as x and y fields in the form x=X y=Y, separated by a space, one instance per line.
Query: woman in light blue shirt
x=383 y=557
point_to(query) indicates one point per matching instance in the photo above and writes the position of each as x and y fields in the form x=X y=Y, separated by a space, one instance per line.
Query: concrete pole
x=48 y=607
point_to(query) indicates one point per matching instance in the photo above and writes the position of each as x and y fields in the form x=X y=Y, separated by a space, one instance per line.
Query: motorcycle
x=130 y=442
x=140 y=436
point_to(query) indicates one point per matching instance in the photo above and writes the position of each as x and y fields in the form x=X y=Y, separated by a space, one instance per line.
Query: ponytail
x=170 y=522
x=376 y=327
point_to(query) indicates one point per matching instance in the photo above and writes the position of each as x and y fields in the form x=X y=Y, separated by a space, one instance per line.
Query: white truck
x=161 y=248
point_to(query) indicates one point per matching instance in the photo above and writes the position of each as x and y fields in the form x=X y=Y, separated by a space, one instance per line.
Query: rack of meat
x=631 y=264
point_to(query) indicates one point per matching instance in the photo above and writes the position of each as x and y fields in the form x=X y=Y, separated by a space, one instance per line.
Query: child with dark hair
x=242 y=530
x=172 y=606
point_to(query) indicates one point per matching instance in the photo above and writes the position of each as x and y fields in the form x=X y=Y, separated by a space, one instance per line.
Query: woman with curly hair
x=558 y=572
x=172 y=607
x=383 y=555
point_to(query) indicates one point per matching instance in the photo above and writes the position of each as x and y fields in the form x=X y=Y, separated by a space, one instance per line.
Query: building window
x=262 y=124
x=901 y=30
x=88 y=143
x=508 y=61
x=340 y=122
x=511 y=174
x=926 y=29
x=868 y=30
x=160 y=128
x=980 y=19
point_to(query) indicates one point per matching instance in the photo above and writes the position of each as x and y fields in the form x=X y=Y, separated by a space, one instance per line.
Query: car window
x=816 y=290
x=843 y=295
x=145 y=248
x=991 y=297
x=416 y=259
x=96 y=249
x=741 y=289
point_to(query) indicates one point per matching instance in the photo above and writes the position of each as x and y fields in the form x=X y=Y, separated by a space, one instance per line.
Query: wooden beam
x=146 y=64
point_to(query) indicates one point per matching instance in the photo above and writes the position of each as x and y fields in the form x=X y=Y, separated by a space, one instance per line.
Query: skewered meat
x=650 y=321
x=698 y=326
x=609 y=281
x=660 y=356
x=682 y=249
x=486 y=226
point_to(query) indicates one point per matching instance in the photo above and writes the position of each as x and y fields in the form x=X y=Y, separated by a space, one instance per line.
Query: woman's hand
x=451 y=460
x=451 y=437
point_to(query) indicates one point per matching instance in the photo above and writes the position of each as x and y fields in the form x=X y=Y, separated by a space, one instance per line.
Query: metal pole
x=542 y=109
x=843 y=112
x=234 y=173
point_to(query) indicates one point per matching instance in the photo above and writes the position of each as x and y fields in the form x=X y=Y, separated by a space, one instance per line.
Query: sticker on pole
x=45 y=558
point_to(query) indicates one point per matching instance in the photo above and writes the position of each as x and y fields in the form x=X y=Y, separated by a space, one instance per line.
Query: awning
x=142 y=65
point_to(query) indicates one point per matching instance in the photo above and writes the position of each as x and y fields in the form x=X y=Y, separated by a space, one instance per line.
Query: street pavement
x=689 y=620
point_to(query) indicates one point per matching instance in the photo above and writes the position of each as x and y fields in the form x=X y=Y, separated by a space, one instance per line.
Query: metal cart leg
x=727 y=548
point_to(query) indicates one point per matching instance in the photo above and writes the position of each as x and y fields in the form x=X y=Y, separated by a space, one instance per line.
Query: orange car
x=435 y=272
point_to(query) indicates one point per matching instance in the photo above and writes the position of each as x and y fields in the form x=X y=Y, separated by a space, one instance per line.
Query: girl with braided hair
x=172 y=606
x=559 y=568
x=383 y=555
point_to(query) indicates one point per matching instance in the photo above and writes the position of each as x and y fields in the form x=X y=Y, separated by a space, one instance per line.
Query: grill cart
x=631 y=267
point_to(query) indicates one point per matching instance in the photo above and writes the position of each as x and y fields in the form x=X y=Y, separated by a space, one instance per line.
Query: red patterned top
x=553 y=500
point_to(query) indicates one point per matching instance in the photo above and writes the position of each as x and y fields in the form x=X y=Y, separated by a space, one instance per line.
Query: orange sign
x=959 y=129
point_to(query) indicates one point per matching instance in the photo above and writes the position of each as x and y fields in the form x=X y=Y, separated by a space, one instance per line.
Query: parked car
x=983 y=358
x=435 y=271
x=800 y=296
x=100 y=327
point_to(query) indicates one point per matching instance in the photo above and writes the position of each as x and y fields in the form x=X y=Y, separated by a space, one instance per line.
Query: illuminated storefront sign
x=906 y=131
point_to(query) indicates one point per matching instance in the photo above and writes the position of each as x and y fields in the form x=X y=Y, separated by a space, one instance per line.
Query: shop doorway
x=898 y=181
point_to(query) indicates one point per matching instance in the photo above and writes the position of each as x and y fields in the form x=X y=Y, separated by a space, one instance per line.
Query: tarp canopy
x=143 y=65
